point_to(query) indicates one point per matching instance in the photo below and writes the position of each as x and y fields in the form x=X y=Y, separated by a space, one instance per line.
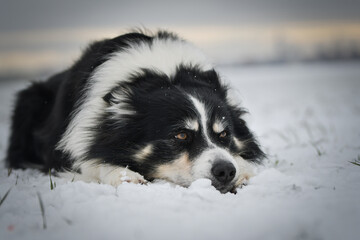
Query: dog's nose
x=223 y=171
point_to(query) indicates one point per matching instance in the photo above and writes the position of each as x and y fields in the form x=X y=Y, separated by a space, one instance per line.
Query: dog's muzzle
x=223 y=172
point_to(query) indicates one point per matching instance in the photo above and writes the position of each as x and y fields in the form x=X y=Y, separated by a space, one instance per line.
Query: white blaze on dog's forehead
x=192 y=124
x=162 y=55
x=200 y=107
x=144 y=153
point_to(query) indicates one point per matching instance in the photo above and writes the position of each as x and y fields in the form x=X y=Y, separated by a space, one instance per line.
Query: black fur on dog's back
x=42 y=111
x=32 y=108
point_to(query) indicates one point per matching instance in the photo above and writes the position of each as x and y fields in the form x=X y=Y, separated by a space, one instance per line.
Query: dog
x=135 y=108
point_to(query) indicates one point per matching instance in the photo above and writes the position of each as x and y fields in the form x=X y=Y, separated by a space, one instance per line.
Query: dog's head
x=178 y=128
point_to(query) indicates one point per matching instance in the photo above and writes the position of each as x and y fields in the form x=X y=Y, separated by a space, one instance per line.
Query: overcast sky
x=44 y=14
x=40 y=34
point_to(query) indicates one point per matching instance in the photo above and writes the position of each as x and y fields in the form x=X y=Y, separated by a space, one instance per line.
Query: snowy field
x=307 y=119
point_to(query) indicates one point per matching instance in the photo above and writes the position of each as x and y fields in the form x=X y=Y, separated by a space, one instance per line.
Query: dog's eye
x=181 y=136
x=223 y=134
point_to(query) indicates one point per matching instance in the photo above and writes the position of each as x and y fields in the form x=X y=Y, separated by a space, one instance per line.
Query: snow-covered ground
x=307 y=119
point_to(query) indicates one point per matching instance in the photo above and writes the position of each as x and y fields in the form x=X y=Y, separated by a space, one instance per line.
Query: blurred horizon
x=39 y=37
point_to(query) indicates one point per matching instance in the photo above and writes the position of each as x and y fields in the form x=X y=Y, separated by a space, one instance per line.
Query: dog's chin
x=228 y=188
x=224 y=188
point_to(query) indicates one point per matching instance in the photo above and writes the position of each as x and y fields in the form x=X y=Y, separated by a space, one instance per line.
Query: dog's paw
x=117 y=176
x=132 y=177
x=243 y=180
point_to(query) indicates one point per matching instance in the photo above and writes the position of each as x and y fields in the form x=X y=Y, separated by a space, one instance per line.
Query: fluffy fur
x=135 y=108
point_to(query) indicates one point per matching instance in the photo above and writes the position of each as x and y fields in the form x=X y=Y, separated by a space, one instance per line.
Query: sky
x=36 y=35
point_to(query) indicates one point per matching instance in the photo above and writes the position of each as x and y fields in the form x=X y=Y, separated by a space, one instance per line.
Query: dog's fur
x=135 y=108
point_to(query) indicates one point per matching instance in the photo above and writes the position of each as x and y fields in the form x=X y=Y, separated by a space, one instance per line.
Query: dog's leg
x=91 y=171
x=117 y=175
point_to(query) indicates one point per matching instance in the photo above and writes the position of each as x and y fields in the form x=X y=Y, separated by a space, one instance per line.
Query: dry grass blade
x=51 y=182
x=355 y=163
x=5 y=196
x=42 y=210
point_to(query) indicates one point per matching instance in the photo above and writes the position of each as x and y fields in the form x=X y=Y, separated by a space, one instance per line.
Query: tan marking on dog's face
x=143 y=153
x=218 y=127
x=178 y=171
x=238 y=143
x=192 y=124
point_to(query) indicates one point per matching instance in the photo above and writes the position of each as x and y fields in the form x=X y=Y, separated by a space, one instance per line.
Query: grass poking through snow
x=42 y=210
x=356 y=161
x=318 y=151
x=52 y=184
x=4 y=197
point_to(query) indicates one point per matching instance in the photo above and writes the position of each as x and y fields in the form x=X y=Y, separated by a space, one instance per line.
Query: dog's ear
x=113 y=97
x=117 y=95
x=212 y=78
x=194 y=77
x=244 y=142
x=108 y=98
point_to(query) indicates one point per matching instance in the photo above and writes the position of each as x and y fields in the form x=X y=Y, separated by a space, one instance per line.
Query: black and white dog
x=135 y=108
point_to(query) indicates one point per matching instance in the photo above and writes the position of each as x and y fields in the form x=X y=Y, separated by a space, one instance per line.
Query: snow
x=305 y=116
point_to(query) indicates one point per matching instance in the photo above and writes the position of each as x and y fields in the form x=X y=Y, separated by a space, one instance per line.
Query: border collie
x=135 y=108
